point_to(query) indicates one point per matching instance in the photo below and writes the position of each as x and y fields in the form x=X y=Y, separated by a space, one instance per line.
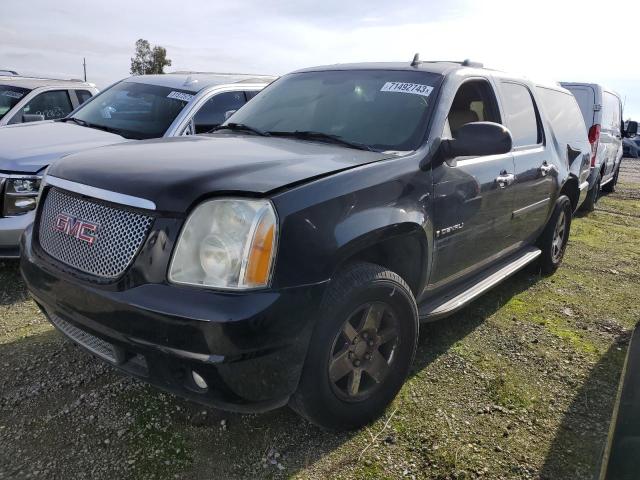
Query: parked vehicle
x=139 y=107
x=27 y=99
x=602 y=112
x=630 y=147
x=289 y=257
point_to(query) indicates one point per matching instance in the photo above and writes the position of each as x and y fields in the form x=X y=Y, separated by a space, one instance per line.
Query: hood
x=28 y=148
x=174 y=173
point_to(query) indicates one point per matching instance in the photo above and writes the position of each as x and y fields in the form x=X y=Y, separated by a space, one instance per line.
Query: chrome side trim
x=533 y=206
x=99 y=193
x=584 y=185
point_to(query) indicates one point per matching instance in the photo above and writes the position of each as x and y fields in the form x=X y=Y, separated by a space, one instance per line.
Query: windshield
x=380 y=109
x=9 y=97
x=134 y=110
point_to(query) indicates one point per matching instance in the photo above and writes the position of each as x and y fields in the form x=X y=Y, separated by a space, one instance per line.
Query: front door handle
x=545 y=168
x=505 y=179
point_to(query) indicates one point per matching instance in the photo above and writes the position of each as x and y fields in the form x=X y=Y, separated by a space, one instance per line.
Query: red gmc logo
x=83 y=230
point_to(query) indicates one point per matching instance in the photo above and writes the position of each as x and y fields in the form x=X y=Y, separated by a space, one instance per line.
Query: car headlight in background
x=226 y=243
x=19 y=194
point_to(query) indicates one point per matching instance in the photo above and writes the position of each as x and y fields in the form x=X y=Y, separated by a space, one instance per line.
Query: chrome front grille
x=107 y=250
x=94 y=344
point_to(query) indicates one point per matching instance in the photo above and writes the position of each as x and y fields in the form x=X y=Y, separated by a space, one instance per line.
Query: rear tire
x=611 y=186
x=361 y=350
x=553 y=241
x=593 y=195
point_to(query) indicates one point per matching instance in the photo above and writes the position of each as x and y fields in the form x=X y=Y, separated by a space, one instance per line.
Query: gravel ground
x=519 y=385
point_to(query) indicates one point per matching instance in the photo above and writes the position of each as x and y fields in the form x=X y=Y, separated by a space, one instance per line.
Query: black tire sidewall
x=547 y=262
x=320 y=403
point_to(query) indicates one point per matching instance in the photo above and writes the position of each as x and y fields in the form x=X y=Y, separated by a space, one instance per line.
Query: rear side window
x=83 y=95
x=564 y=115
x=521 y=115
x=213 y=111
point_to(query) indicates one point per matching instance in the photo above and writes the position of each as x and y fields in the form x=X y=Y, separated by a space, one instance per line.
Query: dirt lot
x=519 y=385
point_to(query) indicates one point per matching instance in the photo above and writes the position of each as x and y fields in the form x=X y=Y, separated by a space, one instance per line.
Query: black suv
x=289 y=257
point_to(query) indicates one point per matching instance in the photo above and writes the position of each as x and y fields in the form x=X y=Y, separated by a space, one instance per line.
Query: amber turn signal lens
x=261 y=253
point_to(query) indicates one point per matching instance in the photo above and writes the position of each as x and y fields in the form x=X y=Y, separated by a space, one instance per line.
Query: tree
x=148 y=60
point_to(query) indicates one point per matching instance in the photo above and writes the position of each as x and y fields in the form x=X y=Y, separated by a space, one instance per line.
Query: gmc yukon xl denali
x=290 y=256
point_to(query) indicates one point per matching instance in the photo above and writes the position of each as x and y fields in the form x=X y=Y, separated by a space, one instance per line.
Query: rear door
x=472 y=209
x=610 y=134
x=534 y=167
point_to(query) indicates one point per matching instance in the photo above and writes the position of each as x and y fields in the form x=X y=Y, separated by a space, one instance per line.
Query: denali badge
x=83 y=230
x=450 y=229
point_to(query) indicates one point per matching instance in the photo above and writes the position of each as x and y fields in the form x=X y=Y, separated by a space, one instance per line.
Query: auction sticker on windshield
x=186 y=97
x=403 y=87
x=12 y=94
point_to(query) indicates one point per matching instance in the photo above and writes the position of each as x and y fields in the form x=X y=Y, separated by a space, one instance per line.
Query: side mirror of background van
x=477 y=139
x=32 y=117
x=631 y=129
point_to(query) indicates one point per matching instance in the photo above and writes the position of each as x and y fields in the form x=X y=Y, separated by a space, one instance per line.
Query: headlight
x=226 y=243
x=20 y=194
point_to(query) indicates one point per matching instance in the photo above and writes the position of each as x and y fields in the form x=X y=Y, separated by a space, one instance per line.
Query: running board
x=469 y=291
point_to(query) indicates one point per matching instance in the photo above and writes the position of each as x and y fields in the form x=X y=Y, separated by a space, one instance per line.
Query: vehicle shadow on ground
x=12 y=289
x=218 y=444
x=577 y=449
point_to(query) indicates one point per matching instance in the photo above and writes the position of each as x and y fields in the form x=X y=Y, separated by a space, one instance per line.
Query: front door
x=472 y=195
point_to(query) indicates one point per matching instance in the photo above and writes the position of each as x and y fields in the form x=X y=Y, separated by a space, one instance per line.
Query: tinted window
x=382 y=109
x=9 y=97
x=83 y=95
x=51 y=105
x=251 y=94
x=564 y=114
x=213 y=111
x=135 y=110
x=521 y=115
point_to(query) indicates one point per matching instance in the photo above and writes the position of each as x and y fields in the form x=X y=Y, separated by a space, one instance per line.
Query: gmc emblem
x=83 y=230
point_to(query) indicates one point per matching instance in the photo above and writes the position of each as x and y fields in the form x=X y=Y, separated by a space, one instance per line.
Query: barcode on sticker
x=185 y=97
x=403 y=87
x=12 y=94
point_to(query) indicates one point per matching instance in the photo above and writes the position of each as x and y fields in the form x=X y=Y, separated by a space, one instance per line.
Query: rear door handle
x=545 y=168
x=505 y=179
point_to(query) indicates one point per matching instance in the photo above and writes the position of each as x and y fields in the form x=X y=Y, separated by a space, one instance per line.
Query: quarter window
x=51 y=105
x=83 y=95
x=521 y=115
x=213 y=111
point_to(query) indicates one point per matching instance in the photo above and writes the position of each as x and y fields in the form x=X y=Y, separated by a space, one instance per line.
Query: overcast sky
x=546 y=39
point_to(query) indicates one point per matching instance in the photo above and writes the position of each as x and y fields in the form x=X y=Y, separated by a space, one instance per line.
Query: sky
x=553 y=40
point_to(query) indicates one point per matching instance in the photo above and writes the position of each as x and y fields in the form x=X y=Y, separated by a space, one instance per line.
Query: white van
x=602 y=112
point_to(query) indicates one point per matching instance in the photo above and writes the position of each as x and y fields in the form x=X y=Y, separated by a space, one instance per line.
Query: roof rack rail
x=8 y=72
x=38 y=77
x=465 y=63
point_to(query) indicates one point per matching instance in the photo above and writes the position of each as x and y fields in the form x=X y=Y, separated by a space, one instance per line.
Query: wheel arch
x=571 y=188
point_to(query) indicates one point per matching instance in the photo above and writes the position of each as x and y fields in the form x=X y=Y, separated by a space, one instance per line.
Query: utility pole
x=84 y=65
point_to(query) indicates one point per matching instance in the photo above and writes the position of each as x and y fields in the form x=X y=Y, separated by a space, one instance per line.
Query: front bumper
x=10 y=230
x=249 y=347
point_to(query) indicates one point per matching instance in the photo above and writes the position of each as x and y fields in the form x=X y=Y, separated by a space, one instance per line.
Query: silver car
x=136 y=108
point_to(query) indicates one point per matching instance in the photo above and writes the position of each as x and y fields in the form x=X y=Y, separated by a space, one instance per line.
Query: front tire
x=553 y=241
x=361 y=350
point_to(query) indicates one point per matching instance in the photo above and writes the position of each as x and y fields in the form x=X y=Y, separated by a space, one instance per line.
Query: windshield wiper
x=93 y=125
x=311 y=135
x=240 y=127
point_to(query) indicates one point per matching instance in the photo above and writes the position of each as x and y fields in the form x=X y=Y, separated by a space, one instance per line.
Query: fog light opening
x=198 y=380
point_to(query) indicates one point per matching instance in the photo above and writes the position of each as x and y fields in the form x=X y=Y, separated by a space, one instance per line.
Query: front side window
x=134 y=110
x=475 y=101
x=521 y=115
x=49 y=105
x=9 y=97
x=379 y=109
x=213 y=111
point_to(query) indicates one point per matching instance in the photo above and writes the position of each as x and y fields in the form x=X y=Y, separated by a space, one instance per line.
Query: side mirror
x=228 y=114
x=632 y=129
x=477 y=139
x=32 y=117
